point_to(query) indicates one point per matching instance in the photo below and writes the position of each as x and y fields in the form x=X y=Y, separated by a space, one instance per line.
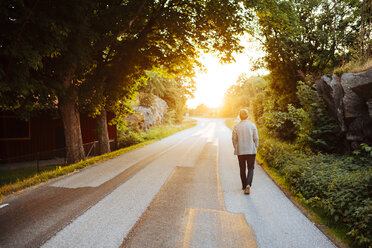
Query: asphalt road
x=183 y=191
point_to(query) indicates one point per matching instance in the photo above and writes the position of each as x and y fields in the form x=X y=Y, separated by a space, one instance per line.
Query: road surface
x=183 y=191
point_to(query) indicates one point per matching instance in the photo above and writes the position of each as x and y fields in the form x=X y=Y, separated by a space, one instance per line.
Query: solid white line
x=4 y=205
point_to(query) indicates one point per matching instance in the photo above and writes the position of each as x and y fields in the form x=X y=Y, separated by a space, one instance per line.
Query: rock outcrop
x=349 y=99
x=147 y=116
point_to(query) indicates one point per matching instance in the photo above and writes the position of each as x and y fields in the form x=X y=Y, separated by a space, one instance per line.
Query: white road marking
x=4 y=205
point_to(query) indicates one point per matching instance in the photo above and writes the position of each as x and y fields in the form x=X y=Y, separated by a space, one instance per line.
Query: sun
x=212 y=85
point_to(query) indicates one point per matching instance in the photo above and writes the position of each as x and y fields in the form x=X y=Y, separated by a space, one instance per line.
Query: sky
x=211 y=86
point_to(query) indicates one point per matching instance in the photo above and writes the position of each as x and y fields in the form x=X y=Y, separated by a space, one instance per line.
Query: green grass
x=12 y=176
x=131 y=137
x=335 y=231
x=24 y=178
x=354 y=67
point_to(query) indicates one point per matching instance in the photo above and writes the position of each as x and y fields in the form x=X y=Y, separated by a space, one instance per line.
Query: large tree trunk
x=102 y=133
x=71 y=123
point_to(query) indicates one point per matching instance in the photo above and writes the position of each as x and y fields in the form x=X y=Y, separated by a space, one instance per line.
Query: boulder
x=349 y=99
x=147 y=116
x=354 y=105
x=329 y=87
x=135 y=119
x=369 y=104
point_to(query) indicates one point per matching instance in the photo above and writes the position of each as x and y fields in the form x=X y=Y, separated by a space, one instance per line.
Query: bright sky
x=211 y=86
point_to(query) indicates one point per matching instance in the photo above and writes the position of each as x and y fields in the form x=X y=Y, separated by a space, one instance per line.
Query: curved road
x=183 y=191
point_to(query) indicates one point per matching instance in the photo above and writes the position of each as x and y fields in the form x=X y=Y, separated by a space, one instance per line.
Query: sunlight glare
x=211 y=86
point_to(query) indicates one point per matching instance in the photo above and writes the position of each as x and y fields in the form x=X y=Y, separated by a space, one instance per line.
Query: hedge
x=338 y=185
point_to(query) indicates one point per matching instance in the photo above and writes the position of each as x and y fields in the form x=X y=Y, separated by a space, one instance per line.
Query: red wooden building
x=42 y=136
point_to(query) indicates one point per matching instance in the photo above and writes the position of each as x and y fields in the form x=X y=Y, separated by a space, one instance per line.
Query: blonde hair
x=243 y=114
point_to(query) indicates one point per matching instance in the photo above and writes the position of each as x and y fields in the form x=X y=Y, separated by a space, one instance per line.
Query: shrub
x=308 y=123
x=338 y=185
x=316 y=129
x=130 y=137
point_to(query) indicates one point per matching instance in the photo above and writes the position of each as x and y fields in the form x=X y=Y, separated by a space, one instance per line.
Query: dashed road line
x=4 y=205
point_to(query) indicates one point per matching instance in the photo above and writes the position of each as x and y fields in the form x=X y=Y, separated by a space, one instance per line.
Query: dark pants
x=244 y=162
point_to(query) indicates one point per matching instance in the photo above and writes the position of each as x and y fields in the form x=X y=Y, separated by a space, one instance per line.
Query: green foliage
x=89 y=55
x=173 y=90
x=170 y=117
x=315 y=128
x=43 y=42
x=303 y=40
x=241 y=95
x=131 y=137
x=307 y=37
x=364 y=151
x=354 y=66
x=340 y=186
x=203 y=110
x=138 y=36
x=269 y=111
x=309 y=124
x=367 y=149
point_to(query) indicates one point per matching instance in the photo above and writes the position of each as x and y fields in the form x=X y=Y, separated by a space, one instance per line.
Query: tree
x=105 y=46
x=43 y=59
x=201 y=110
x=304 y=39
x=165 y=35
x=175 y=91
x=241 y=94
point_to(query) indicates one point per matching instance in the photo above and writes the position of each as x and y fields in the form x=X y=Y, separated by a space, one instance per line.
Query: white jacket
x=245 y=138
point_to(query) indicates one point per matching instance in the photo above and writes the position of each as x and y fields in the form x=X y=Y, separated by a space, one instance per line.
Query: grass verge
x=354 y=67
x=14 y=175
x=336 y=233
x=28 y=178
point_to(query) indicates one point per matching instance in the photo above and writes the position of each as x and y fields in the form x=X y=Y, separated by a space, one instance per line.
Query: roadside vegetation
x=14 y=181
x=302 y=150
x=333 y=185
x=354 y=66
x=334 y=188
x=301 y=145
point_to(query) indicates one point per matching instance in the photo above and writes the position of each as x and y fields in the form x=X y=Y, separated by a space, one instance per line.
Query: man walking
x=245 y=141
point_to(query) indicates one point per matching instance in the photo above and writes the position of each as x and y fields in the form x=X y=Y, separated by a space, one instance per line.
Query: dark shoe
x=247 y=190
x=243 y=188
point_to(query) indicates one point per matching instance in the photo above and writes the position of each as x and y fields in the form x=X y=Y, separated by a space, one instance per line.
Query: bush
x=130 y=137
x=308 y=123
x=338 y=185
x=316 y=129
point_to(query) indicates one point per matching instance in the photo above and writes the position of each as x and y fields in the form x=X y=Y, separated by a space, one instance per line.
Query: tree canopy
x=90 y=55
x=174 y=90
x=305 y=39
